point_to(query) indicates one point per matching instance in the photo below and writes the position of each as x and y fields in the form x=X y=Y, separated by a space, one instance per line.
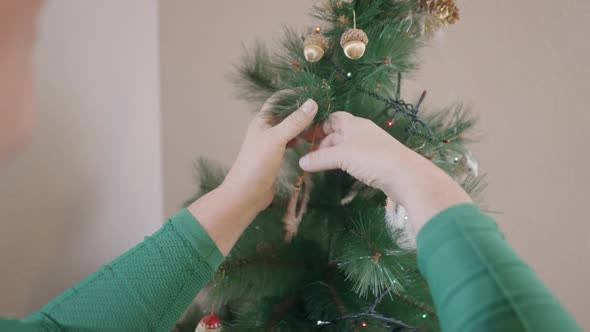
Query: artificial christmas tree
x=330 y=253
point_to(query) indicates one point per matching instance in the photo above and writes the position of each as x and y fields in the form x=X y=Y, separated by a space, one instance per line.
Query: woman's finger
x=322 y=160
x=337 y=122
x=295 y=123
x=331 y=140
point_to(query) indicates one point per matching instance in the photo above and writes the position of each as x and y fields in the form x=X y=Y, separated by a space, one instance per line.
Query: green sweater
x=478 y=283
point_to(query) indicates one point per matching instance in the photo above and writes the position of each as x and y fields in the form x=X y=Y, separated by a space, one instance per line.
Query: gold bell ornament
x=354 y=41
x=315 y=45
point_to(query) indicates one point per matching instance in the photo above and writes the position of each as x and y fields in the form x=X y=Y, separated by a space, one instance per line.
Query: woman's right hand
x=368 y=153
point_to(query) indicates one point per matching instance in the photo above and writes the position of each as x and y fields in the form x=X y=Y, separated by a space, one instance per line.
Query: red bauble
x=209 y=323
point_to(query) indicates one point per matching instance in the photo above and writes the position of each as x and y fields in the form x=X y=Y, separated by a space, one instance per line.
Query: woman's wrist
x=422 y=188
x=224 y=213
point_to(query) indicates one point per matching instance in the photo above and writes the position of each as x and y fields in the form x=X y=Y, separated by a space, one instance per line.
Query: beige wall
x=89 y=186
x=521 y=65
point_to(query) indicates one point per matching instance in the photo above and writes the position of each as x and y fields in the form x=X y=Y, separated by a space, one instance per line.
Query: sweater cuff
x=195 y=234
x=444 y=227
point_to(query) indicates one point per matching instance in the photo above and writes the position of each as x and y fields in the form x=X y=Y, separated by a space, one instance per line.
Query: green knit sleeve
x=146 y=289
x=479 y=283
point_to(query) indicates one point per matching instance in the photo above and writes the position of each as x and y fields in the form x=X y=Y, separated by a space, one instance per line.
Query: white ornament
x=398 y=221
x=472 y=164
x=467 y=167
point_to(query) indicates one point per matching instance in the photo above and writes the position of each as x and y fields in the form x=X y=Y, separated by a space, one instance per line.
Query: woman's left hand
x=250 y=184
x=254 y=173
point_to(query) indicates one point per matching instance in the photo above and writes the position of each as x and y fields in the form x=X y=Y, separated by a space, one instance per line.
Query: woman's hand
x=359 y=147
x=250 y=184
x=257 y=166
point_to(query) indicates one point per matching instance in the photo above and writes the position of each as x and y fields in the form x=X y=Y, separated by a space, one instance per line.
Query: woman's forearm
x=479 y=283
x=146 y=289
x=225 y=214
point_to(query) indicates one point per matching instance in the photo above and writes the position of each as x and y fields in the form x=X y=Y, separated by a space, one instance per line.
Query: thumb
x=322 y=160
x=295 y=123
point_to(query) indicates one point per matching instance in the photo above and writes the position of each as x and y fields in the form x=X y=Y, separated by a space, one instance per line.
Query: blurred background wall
x=89 y=186
x=521 y=65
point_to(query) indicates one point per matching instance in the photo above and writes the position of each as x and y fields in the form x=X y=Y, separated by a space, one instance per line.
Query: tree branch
x=396 y=103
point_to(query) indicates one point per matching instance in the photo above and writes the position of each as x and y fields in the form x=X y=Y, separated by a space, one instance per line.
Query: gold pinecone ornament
x=314 y=46
x=438 y=14
x=354 y=42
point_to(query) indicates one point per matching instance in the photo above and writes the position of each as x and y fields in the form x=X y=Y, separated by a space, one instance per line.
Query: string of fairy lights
x=397 y=104
x=372 y=314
